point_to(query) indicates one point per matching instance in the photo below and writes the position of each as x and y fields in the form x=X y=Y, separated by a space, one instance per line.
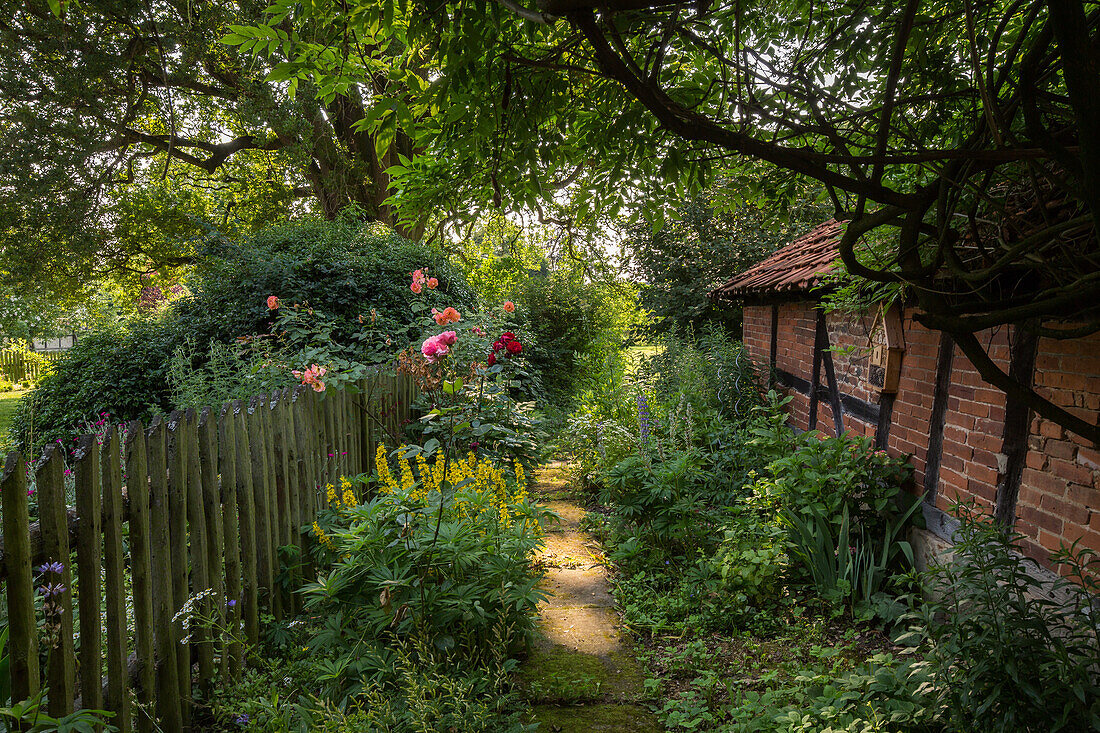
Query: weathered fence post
x=22 y=625
x=281 y=504
x=246 y=509
x=142 y=573
x=200 y=644
x=227 y=462
x=261 y=497
x=89 y=536
x=212 y=509
x=167 y=668
x=114 y=590
x=178 y=450
x=53 y=519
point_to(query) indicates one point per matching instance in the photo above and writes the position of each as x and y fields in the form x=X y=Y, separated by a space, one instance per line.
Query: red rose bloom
x=492 y=359
x=507 y=336
x=498 y=345
x=514 y=347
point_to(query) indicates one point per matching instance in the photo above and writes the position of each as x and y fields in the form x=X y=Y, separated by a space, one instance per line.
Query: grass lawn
x=8 y=402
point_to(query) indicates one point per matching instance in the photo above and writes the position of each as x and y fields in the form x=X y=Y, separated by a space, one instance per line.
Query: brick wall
x=1059 y=495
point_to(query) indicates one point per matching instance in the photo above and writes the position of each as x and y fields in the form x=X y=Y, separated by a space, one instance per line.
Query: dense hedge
x=344 y=267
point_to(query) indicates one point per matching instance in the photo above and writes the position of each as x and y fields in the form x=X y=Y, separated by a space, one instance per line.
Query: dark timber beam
x=939 y=417
x=1024 y=346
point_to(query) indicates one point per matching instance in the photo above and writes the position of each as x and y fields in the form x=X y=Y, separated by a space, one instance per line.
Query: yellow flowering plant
x=441 y=547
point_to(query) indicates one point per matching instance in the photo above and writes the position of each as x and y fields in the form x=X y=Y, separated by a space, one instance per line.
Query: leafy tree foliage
x=969 y=130
x=129 y=133
x=698 y=250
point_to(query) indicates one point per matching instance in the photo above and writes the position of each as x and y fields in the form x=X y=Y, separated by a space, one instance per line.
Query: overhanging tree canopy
x=127 y=129
x=969 y=130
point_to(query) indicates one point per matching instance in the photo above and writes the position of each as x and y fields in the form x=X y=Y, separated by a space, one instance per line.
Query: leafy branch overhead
x=968 y=132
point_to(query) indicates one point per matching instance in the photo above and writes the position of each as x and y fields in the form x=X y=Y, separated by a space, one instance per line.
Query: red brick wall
x=1059 y=497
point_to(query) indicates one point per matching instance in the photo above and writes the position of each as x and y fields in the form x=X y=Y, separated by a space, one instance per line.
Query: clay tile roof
x=796 y=268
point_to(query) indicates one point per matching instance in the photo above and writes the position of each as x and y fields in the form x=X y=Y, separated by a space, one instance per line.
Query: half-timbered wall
x=966 y=441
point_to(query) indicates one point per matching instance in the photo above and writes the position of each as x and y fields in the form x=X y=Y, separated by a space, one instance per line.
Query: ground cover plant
x=769 y=576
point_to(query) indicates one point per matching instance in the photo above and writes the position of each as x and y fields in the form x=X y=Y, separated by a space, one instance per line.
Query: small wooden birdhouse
x=887 y=344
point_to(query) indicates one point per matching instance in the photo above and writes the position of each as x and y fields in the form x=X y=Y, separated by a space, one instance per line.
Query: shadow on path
x=581 y=674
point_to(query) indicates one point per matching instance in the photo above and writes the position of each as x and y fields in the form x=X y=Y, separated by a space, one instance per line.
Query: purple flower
x=643 y=419
x=242 y=719
x=231 y=602
x=51 y=567
x=52 y=589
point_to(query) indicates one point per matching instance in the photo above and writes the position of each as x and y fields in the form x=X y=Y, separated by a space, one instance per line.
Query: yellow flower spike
x=330 y=493
x=382 y=466
x=349 y=497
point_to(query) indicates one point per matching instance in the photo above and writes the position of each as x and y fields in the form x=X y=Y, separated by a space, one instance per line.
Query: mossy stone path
x=581 y=674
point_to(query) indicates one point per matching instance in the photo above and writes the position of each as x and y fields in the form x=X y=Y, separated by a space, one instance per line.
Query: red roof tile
x=796 y=268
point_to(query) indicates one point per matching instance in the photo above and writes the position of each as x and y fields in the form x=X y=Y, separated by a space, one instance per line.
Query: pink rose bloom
x=272 y=302
x=415 y=287
x=443 y=348
x=448 y=337
x=509 y=306
x=432 y=283
x=319 y=371
x=429 y=348
x=318 y=386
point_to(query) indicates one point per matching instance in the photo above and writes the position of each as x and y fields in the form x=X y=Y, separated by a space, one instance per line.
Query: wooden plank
x=61 y=674
x=1022 y=352
x=178 y=451
x=281 y=505
x=212 y=514
x=22 y=623
x=141 y=573
x=89 y=564
x=773 y=351
x=330 y=448
x=114 y=589
x=885 y=418
x=830 y=376
x=263 y=496
x=815 y=379
x=202 y=650
x=231 y=601
x=246 y=509
x=164 y=639
x=303 y=483
x=938 y=418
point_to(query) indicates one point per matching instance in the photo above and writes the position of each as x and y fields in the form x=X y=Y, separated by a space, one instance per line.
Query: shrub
x=1005 y=652
x=710 y=370
x=344 y=267
x=574 y=324
x=120 y=370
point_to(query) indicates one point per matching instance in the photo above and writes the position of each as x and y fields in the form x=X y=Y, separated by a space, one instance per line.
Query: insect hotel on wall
x=887 y=345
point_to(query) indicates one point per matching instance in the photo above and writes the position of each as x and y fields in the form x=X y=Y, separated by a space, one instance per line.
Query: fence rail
x=17 y=366
x=205 y=499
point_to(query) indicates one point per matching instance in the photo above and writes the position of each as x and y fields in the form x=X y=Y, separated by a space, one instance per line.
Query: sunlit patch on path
x=581 y=674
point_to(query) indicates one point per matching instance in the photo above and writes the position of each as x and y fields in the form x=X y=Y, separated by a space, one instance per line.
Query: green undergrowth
x=606 y=718
x=814 y=676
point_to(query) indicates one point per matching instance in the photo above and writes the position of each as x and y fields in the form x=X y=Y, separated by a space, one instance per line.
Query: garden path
x=581 y=674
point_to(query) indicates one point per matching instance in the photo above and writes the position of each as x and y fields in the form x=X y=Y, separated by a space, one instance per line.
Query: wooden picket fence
x=17 y=366
x=205 y=499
